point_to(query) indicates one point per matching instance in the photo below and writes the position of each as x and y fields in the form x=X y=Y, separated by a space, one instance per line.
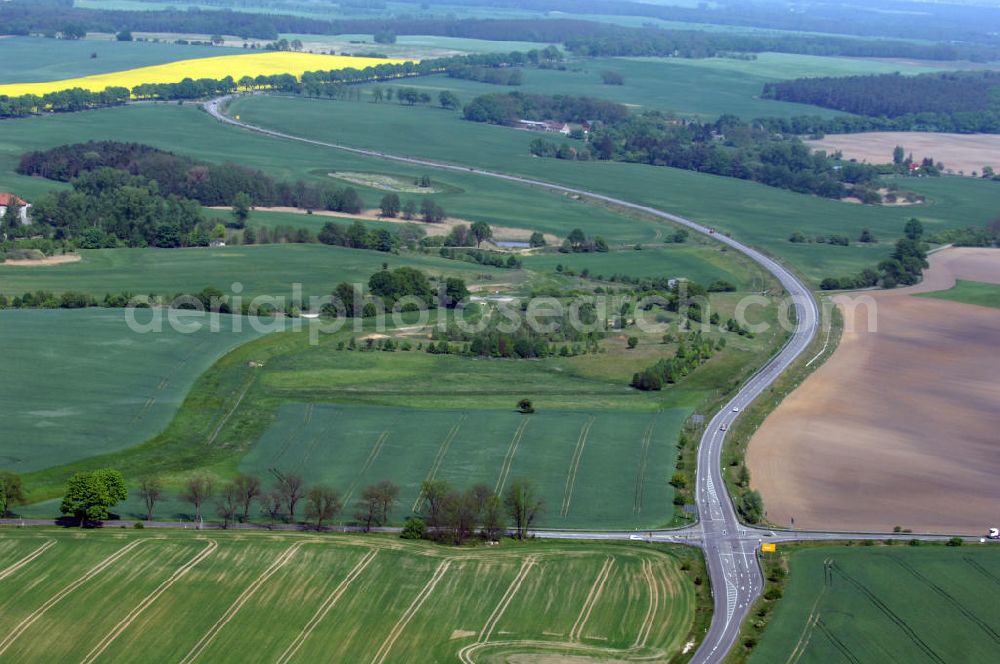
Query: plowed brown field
x=902 y=425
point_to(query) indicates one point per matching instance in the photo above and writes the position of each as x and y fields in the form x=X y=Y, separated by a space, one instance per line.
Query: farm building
x=8 y=200
x=546 y=126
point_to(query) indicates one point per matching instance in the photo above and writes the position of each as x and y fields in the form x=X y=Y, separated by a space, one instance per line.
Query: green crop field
x=970 y=292
x=229 y=597
x=269 y=269
x=77 y=383
x=759 y=215
x=905 y=604
x=33 y=59
x=592 y=468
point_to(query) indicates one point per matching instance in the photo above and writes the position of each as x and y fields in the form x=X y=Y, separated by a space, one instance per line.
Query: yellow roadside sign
x=768 y=547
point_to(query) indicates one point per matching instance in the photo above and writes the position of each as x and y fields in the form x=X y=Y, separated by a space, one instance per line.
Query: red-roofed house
x=6 y=200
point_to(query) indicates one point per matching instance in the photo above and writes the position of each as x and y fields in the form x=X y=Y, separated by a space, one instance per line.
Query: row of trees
x=448 y=515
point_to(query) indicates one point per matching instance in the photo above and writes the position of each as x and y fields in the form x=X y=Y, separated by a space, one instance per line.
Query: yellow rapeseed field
x=237 y=66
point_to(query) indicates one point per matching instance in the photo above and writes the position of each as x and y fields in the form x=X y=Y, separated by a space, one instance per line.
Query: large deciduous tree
x=89 y=495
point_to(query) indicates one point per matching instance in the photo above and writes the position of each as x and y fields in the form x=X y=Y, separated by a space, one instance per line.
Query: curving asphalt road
x=730 y=547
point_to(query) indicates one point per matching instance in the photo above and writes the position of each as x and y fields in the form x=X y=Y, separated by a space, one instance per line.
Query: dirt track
x=900 y=426
x=958 y=152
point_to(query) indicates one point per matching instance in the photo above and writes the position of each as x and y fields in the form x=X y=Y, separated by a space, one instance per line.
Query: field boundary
x=147 y=601
x=59 y=596
x=326 y=606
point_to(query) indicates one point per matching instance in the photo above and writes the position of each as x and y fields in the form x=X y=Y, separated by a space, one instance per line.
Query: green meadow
x=231 y=597
x=77 y=383
x=970 y=292
x=902 y=603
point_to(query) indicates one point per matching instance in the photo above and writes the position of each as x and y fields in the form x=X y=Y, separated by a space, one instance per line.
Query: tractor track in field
x=498 y=611
x=372 y=455
x=654 y=604
x=950 y=599
x=439 y=459
x=596 y=591
x=31 y=618
x=574 y=466
x=12 y=569
x=982 y=570
x=640 y=473
x=508 y=460
x=147 y=601
x=326 y=607
x=206 y=640
x=891 y=615
x=411 y=611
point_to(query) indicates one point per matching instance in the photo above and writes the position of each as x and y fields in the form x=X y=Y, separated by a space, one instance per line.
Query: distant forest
x=963 y=102
x=582 y=37
x=894 y=95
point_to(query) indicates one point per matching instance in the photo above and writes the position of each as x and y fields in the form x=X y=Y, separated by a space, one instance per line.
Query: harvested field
x=958 y=152
x=899 y=426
